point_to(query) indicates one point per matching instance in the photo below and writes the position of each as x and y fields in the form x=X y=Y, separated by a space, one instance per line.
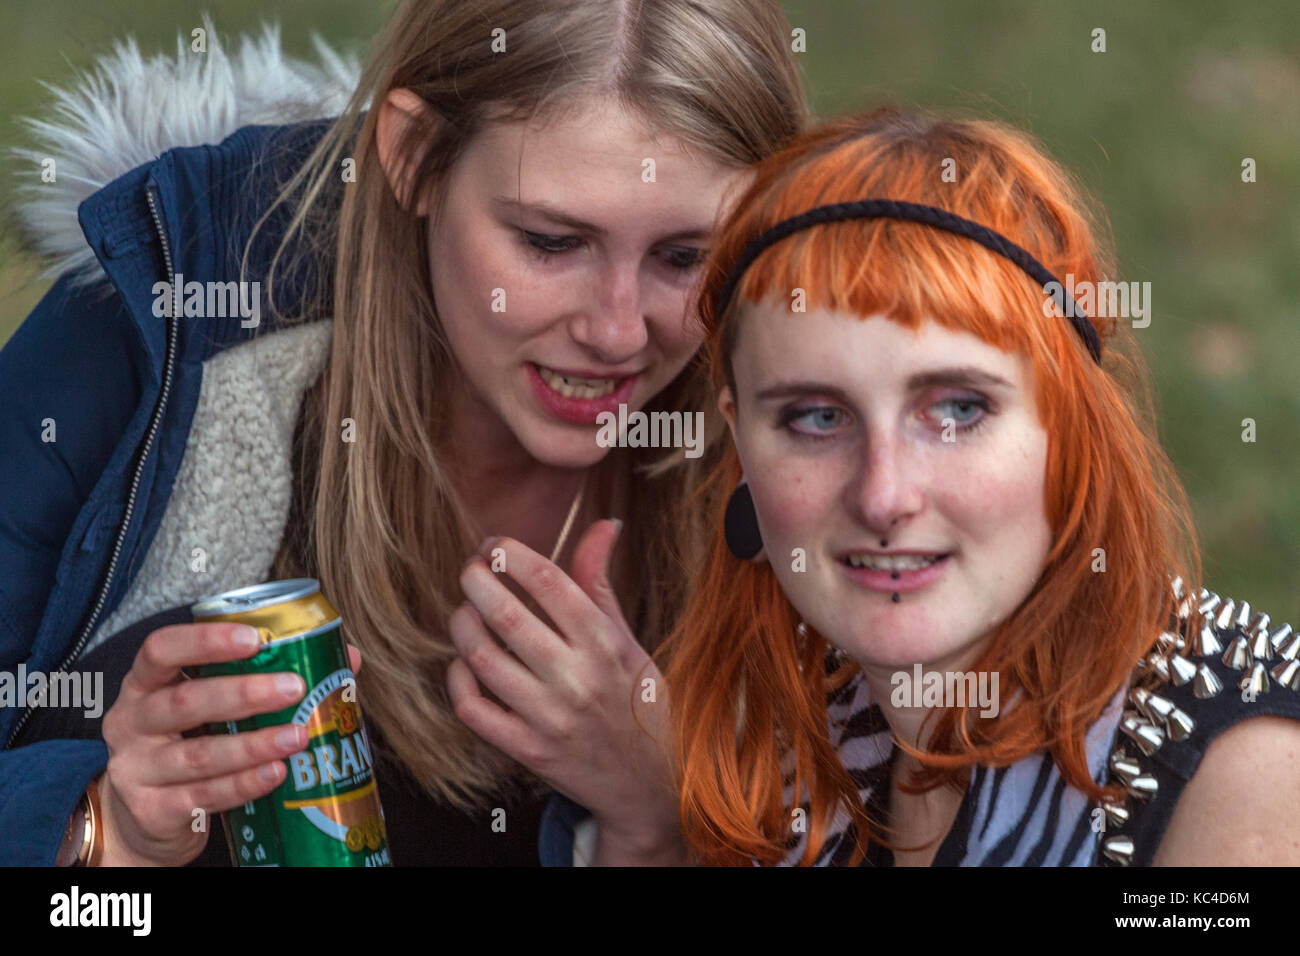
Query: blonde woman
x=439 y=293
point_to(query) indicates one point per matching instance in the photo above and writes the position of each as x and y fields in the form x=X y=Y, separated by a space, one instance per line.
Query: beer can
x=326 y=812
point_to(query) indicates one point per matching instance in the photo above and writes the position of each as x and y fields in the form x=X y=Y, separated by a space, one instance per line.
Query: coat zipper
x=155 y=421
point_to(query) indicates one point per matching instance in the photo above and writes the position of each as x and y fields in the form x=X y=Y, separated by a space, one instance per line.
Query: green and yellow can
x=326 y=812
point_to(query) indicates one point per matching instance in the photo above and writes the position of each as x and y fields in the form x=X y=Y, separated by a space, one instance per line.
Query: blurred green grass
x=1156 y=128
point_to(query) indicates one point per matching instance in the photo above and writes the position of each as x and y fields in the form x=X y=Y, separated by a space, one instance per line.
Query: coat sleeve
x=561 y=821
x=70 y=381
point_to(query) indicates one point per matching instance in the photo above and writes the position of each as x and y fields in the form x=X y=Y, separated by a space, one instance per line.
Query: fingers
x=225 y=793
x=354 y=658
x=556 y=594
x=499 y=727
x=188 y=704
x=592 y=560
x=535 y=644
x=168 y=649
x=506 y=677
x=202 y=758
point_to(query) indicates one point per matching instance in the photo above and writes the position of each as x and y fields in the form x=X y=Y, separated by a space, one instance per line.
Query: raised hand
x=586 y=709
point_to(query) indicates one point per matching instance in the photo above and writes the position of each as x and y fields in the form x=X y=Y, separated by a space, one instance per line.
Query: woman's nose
x=885 y=489
x=613 y=327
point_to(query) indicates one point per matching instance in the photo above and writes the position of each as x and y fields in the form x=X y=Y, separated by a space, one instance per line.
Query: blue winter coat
x=120 y=384
x=78 y=514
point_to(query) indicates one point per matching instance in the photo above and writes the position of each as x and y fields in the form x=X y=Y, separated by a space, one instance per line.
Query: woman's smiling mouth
x=578 y=396
x=894 y=571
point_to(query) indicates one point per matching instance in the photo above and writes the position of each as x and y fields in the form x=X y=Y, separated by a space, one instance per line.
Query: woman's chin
x=564 y=447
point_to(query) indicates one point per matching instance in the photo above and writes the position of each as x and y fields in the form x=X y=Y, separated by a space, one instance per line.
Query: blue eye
x=967 y=413
x=823 y=419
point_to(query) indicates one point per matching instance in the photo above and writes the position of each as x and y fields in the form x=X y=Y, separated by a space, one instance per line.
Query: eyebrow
x=556 y=215
x=961 y=376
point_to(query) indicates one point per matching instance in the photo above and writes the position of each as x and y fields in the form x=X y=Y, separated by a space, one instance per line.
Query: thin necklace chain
x=568 y=522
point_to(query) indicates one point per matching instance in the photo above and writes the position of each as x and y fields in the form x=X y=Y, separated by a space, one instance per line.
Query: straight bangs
x=745 y=691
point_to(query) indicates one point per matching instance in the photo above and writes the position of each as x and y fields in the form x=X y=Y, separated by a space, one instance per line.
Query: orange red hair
x=745 y=688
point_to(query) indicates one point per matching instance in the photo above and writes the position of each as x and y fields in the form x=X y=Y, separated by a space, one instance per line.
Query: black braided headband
x=930 y=216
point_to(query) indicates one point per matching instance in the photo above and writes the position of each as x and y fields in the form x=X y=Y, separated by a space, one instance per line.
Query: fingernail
x=618 y=526
x=290 y=684
x=269 y=773
x=288 y=737
x=247 y=637
x=486 y=544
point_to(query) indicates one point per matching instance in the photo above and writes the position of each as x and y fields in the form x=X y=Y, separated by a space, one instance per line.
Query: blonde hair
x=382 y=525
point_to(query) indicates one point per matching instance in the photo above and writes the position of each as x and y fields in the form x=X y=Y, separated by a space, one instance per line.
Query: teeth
x=571 y=387
x=902 y=562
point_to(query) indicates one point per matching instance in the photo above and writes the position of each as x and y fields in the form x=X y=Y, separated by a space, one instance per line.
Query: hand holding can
x=326 y=812
x=160 y=788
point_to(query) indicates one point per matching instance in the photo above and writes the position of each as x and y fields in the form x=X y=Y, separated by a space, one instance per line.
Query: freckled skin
x=882 y=471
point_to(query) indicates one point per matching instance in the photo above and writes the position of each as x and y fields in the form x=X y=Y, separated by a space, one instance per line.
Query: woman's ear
x=727 y=405
x=404 y=120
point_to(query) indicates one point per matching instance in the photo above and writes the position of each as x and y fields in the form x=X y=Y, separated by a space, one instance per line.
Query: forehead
x=845 y=348
x=601 y=164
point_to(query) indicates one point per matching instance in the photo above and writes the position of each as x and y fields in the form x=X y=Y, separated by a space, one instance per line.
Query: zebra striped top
x=1150 y=738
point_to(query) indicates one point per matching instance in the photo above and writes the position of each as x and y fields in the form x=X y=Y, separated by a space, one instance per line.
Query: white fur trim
x=232 y=493
x=127 y=110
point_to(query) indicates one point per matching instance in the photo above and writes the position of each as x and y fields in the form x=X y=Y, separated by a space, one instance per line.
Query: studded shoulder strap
x=1219 y=663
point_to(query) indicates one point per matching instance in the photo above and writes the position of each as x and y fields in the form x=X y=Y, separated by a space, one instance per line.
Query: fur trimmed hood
x=126 y=110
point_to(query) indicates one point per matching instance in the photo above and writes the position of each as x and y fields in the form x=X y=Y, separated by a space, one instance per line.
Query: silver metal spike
x=1148 y=737
x=1260 y=649
x=1207 y=642
x=1181 y=670
x=1209 y=602
x=1255 y=682
x=1176 y=585
x=1281 y=636
x=1157 y=663
x=1260 y=623
x=1118 y=848
x=1171 y=639
x=1157 y=708
x=1206 y=684
x=1116 y=813
x=1287 y=674
x=1242 y=620
x=1237 y=656
x=1179 y=725
x=1124 y=766
x=1223 y=620
x=1144 y=786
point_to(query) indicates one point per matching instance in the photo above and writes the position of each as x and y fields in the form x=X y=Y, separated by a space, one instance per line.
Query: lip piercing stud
x=896 y=598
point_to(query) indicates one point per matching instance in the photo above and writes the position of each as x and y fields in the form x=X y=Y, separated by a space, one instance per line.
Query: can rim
x=255 y=596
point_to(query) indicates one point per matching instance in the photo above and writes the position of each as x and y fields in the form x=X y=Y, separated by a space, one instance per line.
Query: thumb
x=592 y=560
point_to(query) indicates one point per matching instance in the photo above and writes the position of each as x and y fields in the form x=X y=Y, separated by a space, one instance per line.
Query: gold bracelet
x=92 y=843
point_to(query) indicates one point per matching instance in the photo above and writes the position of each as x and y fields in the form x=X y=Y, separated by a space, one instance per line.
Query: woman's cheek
x=791 y=500
x=1000 y=501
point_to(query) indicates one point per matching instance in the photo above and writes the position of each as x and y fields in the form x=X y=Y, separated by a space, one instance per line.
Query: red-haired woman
x=957 y=608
